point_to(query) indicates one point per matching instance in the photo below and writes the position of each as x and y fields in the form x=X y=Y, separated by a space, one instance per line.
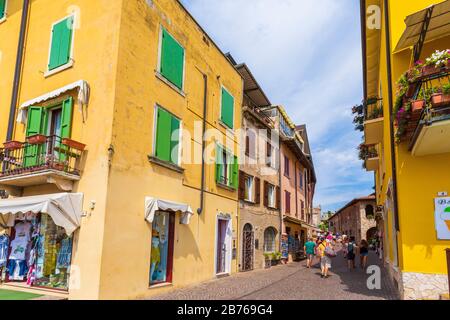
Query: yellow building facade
x=130 y=83
x=408 y=158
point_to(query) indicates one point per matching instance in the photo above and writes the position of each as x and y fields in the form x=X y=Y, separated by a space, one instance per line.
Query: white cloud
x=307 y=56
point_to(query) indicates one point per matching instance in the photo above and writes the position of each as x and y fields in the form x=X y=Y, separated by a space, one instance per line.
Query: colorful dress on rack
x=4 y=245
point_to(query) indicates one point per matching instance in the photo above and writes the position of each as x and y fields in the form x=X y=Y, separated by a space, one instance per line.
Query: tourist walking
x=364 y=253
x=326 y=253
x=309 y=248
x=351 y=248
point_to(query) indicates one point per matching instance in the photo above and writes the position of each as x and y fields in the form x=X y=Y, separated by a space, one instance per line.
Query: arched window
x=369 y=212
x=269 y=239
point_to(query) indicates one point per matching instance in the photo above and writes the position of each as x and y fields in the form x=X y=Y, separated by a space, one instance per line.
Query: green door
x=34 y=126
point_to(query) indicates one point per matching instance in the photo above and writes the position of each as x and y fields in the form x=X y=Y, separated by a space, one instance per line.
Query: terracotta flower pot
x=12 y=145
x=417 y=105
x=37 y=139
x=438 y=99
x=73 y=144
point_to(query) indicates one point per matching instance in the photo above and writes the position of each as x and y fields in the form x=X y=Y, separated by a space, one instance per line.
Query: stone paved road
x=290 y=282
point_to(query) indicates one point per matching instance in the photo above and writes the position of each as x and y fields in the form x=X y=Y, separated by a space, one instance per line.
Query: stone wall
x=417 y=286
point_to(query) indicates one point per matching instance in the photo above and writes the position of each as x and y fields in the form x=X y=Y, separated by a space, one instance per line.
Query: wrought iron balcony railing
x=41 y=153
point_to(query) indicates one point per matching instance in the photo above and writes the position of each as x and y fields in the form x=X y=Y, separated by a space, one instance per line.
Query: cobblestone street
x=290 y=282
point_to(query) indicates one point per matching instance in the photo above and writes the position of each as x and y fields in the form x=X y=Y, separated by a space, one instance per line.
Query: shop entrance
x=161 y=264
x=39 y=252
x=248 y=248
x=223 y=246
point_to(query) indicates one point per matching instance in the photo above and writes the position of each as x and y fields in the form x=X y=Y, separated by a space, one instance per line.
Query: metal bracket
x=423 y=34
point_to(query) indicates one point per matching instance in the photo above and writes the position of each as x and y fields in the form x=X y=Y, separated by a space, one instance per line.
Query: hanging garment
x=17 y=269
x=4 y=245
x=64 y=254
x=31 y=276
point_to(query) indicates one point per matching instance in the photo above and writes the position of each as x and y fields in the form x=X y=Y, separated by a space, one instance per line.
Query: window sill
x=161 y=285
x=253 y=203
x=224 y=186
x=2 y=19
x=223 y=124
x=165 y=164
x=170 y=84
x=59 y=69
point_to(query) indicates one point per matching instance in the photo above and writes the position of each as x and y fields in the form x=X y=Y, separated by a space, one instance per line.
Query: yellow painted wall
x=9 y=33
x=419 y=178
x=95 y=55
x=126 y=253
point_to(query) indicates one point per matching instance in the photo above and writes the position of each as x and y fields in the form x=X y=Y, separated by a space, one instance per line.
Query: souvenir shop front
x=36 y=239
x=161 y=215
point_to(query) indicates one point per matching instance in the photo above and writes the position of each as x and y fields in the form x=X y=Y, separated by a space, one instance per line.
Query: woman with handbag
x=326 y=253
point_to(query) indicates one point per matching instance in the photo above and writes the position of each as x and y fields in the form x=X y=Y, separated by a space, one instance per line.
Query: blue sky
x=307 y=57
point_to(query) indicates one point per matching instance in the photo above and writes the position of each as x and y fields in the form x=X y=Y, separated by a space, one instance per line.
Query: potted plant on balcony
x=436 y=62
x=73 y=144
x=12 y=145
x=37 y=139
x=442 y=97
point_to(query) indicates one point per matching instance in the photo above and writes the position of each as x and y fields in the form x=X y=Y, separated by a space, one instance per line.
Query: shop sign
x=442 y=218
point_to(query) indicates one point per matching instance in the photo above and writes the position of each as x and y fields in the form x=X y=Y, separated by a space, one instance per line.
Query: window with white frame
x=3 y=7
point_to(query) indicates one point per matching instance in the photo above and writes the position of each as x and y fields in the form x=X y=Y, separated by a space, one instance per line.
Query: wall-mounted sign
x=442 y=218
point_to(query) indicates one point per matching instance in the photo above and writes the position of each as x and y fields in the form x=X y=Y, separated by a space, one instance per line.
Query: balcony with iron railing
x=41 y=160
x=373 y=121
x=422 y=110
x=370 y=155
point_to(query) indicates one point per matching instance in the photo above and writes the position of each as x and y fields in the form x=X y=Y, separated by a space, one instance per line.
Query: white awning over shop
x=83 y=98
x=152 y=205
x=64 y=208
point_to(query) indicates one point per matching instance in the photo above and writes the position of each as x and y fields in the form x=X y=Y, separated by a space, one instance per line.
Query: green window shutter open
x=235 y=173
x=2 y=8
x=34 y=126
x=66 y=118
x=163 y=133
x=175 y=139
x=227 y=115
x=61 y=43
x=219 y=164
x=172 y=60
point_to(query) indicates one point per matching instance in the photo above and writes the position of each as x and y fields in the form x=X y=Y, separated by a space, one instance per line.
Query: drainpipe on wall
x=18 y=69
x=391 y=122
x=205 y=111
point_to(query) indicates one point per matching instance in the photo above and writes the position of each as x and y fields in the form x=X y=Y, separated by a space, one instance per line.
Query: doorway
x=223 y=246
x=248 y=248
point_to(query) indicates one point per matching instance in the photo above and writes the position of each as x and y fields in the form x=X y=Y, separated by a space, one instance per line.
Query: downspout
x=18 y=70
x=280 y=184
x=205 y=110
x=391 y=121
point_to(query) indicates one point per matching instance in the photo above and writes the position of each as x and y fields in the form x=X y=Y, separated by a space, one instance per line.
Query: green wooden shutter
x=219 y=164
x=172 y=60
x=34 y=126
x=61 y=43
x=163 y=135
x=175 y=139
x=2 y=8
x=227 y=115
x=66 y=118
x=235 y=173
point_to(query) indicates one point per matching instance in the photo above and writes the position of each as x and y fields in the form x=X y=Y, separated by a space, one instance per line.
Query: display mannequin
x=155 y=257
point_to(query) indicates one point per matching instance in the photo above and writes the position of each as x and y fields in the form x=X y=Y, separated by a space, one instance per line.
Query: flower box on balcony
x=37 y=139
x=73 y=144
x=430 y=70
x=417 y=105
x=439 y=99
x=12 y=145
